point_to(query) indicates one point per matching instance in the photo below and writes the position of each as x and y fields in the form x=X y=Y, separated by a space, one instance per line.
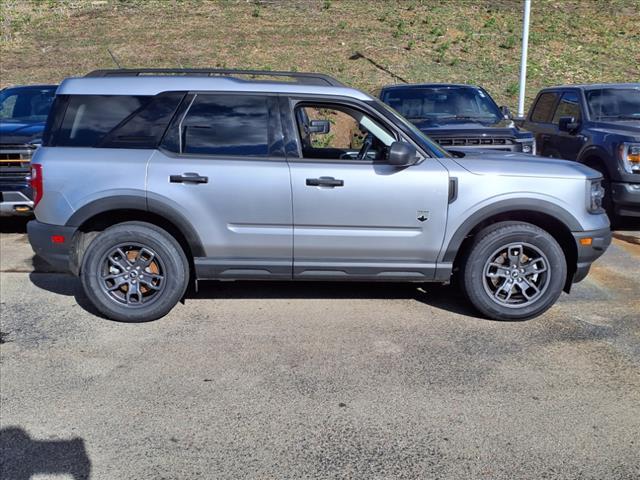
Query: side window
x=89 y=117
x=569 y=106
x=543 y=109
x=332 y=132
x=226 y=125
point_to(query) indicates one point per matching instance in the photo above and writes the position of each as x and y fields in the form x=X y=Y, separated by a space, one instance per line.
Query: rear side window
x=543 y=110
x=88 y=118
x=568 y=107
x=226 y=125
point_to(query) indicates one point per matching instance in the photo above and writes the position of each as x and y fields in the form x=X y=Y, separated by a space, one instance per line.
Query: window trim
x=273 y=109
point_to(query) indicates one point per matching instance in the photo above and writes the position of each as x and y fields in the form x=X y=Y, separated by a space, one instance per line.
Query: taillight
x=36 y=182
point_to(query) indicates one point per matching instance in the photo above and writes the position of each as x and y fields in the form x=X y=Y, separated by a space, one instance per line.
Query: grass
x=464 y=41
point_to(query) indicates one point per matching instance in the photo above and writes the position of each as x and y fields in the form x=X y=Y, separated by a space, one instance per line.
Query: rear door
x=355 y=216
x=222 y=167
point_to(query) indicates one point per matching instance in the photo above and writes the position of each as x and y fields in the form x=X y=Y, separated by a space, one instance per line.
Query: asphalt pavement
x=291 y=381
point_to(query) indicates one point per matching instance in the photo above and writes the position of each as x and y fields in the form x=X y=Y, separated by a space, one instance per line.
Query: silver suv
x=149 y=180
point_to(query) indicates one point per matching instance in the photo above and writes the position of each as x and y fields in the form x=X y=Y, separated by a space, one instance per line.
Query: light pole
x=523 y=60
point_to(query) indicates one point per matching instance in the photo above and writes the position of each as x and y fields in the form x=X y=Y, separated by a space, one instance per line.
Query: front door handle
x=325 y=182
x=189 y=177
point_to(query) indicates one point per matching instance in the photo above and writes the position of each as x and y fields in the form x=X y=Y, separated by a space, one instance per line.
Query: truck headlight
x=529 y=147
x=630 y=157
x=596 y=195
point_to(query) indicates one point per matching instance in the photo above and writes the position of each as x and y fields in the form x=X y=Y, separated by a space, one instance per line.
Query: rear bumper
x=57 y=254
x=626 y=198
x=587 y=254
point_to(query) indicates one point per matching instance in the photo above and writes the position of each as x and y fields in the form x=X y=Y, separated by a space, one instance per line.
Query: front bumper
x=15 y=199
x=626 y=198
x=587 y=254
x=56 y=253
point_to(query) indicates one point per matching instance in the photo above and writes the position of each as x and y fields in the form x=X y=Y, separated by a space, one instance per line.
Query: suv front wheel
x=134 y=272
x=513 y=271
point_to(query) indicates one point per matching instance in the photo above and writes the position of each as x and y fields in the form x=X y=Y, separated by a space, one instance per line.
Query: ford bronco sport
x=150 y=179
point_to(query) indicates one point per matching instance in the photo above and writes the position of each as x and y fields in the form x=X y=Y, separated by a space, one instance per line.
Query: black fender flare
x=142 y=204
x=506 y=206
x=596 y=151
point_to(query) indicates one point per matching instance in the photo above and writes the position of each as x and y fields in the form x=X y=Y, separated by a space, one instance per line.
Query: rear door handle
x=325 y=182
x=189 y=177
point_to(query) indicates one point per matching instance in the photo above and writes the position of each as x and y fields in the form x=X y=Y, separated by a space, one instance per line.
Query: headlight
x=529 y=147
x=596 y=195
x=630 y=157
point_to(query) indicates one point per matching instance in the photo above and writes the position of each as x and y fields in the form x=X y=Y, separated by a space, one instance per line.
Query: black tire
x=147 y=252
x=526 y=284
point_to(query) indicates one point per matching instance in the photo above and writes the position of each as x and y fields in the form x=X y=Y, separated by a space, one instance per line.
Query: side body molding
x=505 y=206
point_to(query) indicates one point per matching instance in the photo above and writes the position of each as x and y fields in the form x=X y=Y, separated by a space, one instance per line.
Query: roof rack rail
x=299 y=77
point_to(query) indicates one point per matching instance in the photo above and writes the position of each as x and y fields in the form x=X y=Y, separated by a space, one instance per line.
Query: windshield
x=26 y=105
x=435 y=104
x=614 y=103
x=429 y=144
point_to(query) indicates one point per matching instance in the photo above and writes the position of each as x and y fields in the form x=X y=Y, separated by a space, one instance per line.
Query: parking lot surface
x=290 y=381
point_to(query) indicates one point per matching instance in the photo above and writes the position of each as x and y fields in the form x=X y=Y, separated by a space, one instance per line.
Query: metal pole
x=523 y=60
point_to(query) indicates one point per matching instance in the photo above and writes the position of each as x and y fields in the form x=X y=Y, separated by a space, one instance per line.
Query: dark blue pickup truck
x=598 y=125
x=23 y=113
x=461 y=117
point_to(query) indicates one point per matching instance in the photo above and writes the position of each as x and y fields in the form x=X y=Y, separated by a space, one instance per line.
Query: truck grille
x=474 y=142
x=15 y=161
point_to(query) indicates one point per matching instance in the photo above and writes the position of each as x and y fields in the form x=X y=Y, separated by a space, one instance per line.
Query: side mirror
x=319 y=126
x=505 y=111
x=402 y=154
x=568 y=124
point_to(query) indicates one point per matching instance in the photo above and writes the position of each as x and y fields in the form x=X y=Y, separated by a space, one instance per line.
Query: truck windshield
x=437 y=104
x=26 y=104
x=426 y=142
x=614 y=103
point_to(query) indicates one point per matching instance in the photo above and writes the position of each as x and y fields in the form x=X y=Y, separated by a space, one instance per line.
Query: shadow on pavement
x=14 y=224
x=22 y=457
x=447 y=298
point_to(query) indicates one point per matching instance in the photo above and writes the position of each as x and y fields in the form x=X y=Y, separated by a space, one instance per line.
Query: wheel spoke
x=535 y=266
x=118 y=280
x=149 y=283
x=528 y=285
x=514 y=253
x=122 y=262
x=507 y=288
x=497 y=270
x=145 y=257
x=134 y=290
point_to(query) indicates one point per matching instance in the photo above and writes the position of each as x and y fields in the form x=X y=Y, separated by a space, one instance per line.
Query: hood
x=624 y=128
x=18 y=133
x=522 y=165
x=452 y=127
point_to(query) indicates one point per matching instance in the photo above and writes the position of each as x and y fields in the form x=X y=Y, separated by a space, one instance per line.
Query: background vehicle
x=189 y=176
x=458 y=116
x=23 y=113
x=598 y=125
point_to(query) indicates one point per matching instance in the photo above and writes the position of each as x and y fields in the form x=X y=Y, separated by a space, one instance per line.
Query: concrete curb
x=631 y=237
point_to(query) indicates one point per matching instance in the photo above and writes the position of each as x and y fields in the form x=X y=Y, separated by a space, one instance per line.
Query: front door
x=355 y=216
x=220 y=168
x=568 y=144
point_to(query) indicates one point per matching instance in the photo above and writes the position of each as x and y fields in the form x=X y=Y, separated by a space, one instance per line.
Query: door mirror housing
x=402 y=154
x=568 y=124
x=505 y=111
x=319 y=126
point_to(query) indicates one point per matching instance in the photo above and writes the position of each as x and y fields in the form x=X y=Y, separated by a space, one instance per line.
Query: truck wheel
x=134 y=272
x=513 y=271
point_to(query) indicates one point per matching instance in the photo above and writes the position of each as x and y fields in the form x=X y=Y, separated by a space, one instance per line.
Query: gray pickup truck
x=148 y=180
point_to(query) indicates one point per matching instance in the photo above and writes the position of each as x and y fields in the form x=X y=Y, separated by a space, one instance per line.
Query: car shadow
x=22 y=457
x=14 y=224
x=443 y=297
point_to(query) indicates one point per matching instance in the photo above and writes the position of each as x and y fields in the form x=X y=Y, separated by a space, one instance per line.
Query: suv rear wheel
x=134 y=272
x=513 y=271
